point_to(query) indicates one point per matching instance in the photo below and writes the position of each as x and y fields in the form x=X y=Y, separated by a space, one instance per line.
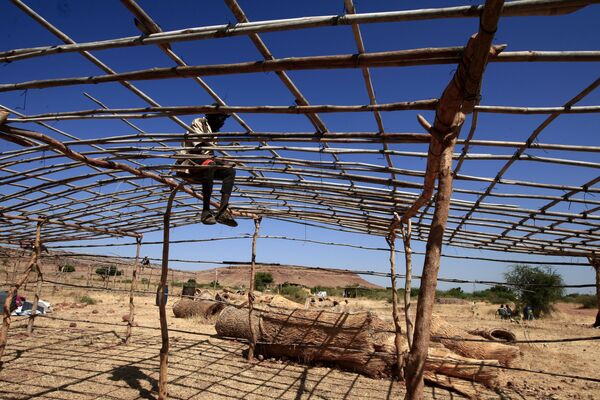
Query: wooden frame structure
x=279 y=176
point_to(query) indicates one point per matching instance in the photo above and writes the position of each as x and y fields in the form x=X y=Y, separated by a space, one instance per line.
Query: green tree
x=108 y=270
x=190 y=283
x=262 y=280
x=456 y=292
x=497 y=294
x=536 y=287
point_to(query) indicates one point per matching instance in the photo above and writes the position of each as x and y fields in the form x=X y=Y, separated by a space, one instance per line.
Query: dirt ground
x=89 y=361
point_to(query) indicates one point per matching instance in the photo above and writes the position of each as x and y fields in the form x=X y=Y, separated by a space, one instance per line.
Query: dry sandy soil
x=88 y=361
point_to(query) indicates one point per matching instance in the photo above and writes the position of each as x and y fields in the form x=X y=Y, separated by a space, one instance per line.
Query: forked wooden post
x=16 y=285
x=459 y=97
x=596 y=264
x=164 y=330
x=132 y=288
x=252 y=344
x=391 y=240
x=406 y=232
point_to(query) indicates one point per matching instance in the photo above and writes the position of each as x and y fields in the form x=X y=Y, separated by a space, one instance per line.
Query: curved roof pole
x=459 y=98
x=62 y=148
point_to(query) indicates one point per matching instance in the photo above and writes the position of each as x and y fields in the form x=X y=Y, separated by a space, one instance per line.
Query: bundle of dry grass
x=186 y=308
x=495 y=334
x=360 y=342
x=454 y=339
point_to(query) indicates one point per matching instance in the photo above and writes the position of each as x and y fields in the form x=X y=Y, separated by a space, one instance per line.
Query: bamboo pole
x=133 y=288
x=391 y=240
x=400 y=58
x=516 y=8
x=161 y=112
x=343 y=137
x=253 y=338
x=406 y=232
x=461 y=94
x=116 y=232
x=33 y=262
x=164 y=329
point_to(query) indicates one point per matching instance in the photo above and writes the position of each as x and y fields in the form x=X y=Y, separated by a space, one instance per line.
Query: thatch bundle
x=186 y=308
x=496 y=334
x=278 y=301
x=454 y=339
x=360 y=342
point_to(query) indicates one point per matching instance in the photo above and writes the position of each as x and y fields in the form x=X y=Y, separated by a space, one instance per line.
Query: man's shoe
x=208 y=218
x=224 y=217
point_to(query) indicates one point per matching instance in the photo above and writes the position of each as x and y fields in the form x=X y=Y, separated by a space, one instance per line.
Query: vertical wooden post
x=133 y=287
x=16 y=285
x=164 y=330
x=36 y=297
x=17 y=264
x=420 y=347
x=391 y=240
x=408 y=280
x=89 y=275
x=38 y=286
x=459 y=97
x=114 y=281
x=252 y=345
x=596 y=264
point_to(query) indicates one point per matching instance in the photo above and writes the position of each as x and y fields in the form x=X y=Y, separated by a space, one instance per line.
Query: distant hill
x=235 y=276
x=229 y=276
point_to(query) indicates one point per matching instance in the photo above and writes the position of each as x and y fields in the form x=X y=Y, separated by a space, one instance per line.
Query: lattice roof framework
x=342 y=180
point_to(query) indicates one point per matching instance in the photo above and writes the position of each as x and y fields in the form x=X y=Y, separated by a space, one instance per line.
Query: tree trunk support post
x=459 y=97
x=164 y=330
x=595 y=261
x=252 y=344
x=33 y=262
x=391 y=240
x=406 y=232
x=132 y=288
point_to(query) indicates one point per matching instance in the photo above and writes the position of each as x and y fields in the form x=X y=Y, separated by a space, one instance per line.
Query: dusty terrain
x=88 y=361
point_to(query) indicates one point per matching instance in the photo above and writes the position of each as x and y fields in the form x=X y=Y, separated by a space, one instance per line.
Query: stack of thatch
x=364 y=343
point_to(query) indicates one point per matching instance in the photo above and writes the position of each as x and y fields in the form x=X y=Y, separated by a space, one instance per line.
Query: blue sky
x=518 y=84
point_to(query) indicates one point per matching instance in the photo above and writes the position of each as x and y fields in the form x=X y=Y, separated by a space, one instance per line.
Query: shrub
x=66 y=268
x=190 y=283
x=214 y=284
x=262 y=280
x=497 y=294
x=536 y=287
x=589 y=301
x=294 y=293
x=108 y=270
x=586 y=300
x=86 y=300
x=456 y=292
